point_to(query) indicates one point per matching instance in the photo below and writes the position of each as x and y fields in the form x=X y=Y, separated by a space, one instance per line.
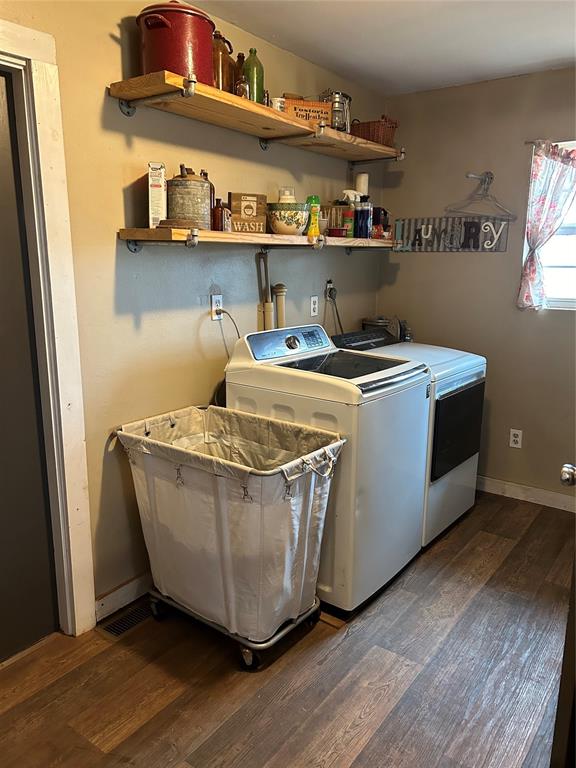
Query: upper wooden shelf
x=210 y=105
x=161 y=235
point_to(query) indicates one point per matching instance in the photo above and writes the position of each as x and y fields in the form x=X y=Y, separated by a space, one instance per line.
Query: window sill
x=561 y=304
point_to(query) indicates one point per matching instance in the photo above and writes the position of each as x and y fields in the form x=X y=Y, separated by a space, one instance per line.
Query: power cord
x=225 y=312
x=330 y=295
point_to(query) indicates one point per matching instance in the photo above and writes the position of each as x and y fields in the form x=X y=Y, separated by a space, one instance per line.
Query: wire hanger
x=481 y=195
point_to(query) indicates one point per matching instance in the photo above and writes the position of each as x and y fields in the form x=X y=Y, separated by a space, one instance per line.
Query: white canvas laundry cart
x=232 y=507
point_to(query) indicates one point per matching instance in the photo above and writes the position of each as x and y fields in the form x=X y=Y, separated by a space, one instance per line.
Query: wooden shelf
x=210 y=105
x=327 y=141
x=163 y=235
x=226 y=110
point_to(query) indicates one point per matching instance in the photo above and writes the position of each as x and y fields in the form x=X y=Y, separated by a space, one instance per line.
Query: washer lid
x=344 y=365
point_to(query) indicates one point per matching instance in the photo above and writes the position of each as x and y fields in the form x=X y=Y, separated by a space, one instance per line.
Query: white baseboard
x=527 y=493
x=122 y=596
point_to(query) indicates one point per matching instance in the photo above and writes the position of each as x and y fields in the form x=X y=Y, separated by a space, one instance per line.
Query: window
x=558 y=258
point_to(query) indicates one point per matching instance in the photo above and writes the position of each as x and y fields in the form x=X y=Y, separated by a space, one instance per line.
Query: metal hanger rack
x=481 y=195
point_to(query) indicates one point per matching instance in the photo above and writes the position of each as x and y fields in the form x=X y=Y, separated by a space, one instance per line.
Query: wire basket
x=380 y=131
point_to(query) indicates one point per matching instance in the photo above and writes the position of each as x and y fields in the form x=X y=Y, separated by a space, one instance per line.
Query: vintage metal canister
x=189 y=198
x=177 y=37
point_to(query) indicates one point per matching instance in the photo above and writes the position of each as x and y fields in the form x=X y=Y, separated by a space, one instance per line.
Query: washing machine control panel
x=270 y=345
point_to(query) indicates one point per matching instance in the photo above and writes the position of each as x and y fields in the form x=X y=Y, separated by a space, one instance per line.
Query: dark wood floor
x=455 y=664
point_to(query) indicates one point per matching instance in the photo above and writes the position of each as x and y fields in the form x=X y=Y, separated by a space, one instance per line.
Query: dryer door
x=457 y=427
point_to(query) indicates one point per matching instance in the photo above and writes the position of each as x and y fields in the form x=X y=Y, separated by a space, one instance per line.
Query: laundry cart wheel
x=314 y=618
x=158 y=609
x=250 y=660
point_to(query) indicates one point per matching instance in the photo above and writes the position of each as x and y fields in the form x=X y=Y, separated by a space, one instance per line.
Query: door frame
x=30 y=57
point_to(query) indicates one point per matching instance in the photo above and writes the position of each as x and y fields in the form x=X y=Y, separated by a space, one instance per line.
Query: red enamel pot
x=177 y=37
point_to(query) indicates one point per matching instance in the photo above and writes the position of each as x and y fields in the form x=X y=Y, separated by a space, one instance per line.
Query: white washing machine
x=455 y=422
x=374 y=519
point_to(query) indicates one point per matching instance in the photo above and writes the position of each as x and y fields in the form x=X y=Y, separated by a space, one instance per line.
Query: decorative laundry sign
x=452 y=233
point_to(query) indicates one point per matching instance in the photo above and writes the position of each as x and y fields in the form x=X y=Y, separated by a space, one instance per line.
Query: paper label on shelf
x=253 y=224
x=313 y=112
x=156 y=194
x=247 y=205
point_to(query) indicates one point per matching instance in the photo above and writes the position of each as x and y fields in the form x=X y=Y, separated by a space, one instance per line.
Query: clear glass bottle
x=226 y=219
x=254 y=73
x=242 y=88
x=286 y=195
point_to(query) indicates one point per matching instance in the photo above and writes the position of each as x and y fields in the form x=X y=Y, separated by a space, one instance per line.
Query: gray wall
x=467 y=300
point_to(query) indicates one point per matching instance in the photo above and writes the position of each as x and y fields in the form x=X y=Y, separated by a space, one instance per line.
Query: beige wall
x=147 y=344
x=467 y=300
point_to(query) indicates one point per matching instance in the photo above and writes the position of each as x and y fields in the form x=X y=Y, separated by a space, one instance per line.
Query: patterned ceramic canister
x=189 y=198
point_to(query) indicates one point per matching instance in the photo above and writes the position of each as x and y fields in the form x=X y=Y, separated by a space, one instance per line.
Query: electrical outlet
x=215 y=303
x=515 y=438
x=313 y=306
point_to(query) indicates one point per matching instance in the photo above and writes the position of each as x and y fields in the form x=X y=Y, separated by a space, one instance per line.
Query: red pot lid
x=174 y=5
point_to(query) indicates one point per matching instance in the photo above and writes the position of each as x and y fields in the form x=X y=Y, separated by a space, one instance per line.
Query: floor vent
x=127 y=620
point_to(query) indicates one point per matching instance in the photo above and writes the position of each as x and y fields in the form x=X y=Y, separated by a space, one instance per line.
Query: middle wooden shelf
x=163 y=235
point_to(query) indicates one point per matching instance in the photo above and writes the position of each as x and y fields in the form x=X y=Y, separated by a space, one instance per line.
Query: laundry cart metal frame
x=232 y=507
x=250 y=650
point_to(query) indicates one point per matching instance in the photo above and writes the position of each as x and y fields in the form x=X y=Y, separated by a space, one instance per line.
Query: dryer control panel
x=270 y=345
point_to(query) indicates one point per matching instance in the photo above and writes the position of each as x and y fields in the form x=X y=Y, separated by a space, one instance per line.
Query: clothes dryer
x=455 y=422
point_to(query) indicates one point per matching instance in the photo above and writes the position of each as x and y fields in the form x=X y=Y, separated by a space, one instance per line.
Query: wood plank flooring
x=455 y=665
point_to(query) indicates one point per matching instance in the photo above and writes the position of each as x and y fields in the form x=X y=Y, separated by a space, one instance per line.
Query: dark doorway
x=27 y=582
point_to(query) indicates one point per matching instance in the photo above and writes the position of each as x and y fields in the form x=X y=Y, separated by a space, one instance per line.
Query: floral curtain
x=552 y=189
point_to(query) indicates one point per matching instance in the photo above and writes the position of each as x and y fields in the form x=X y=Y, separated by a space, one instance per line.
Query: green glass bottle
x=254 y=73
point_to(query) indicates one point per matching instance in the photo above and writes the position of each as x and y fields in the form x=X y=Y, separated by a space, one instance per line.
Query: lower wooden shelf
x=163 y=235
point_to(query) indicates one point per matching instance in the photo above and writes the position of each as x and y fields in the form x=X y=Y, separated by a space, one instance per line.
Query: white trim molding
x=28 y=56
x=123 y=595
x=527 y=493
x=27 y=43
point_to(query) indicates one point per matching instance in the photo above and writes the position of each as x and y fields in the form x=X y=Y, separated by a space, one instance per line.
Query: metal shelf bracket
x=265 y=143
x=128 y=108
x=400 y=156
x=192 y=239
x=319 y=243
x=133 y=246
